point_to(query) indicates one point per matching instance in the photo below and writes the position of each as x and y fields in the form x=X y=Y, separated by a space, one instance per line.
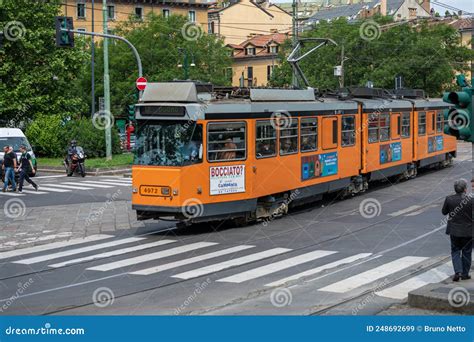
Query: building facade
x=234 y=21
x=255 y=58
x=120 y=11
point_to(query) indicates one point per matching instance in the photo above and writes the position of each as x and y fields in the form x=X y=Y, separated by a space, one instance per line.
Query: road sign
x=141 y=83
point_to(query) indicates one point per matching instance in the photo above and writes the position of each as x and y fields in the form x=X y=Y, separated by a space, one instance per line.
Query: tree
x=427 y=56
x=36 y=77
x=158 y=40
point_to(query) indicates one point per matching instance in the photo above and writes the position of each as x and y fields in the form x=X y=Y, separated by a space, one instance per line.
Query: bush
x=50 y=136
x=46 y=136
x=90 y=138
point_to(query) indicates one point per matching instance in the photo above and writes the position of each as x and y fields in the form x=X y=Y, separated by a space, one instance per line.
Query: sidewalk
x=41 y=225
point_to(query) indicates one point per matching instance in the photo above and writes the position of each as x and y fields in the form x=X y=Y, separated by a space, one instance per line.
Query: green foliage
x=46 y=135
x=50 y=136
x=36 y=77
x=91 y=139
x=157 y=40
x=427 y=56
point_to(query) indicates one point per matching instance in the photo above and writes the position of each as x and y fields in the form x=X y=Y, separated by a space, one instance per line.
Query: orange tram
x=204 y=154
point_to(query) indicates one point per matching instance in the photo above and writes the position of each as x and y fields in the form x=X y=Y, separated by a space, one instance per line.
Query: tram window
x=421 y=123
x=373 y=127
x=226 y=141
x=439 y=121
x=384 y=126
x=309 y=134
x=289 y=137
x=168 y=143
x=348 y=130
x=266 y=139
x=405 y=124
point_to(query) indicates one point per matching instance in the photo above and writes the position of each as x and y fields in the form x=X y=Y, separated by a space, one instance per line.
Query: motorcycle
x=75 y=163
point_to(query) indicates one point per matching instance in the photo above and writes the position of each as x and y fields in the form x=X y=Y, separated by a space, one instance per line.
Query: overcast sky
x=465 y=5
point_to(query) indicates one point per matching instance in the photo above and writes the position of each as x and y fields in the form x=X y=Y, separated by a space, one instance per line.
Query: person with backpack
x=26 y=166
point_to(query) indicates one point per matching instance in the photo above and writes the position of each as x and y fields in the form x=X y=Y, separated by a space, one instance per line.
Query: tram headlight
x=165 y=191
x=134 y=190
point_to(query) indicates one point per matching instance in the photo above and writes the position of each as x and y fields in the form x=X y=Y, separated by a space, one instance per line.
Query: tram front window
x=168 y=143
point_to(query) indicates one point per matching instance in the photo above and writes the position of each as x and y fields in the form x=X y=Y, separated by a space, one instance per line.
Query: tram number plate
x=153 y=190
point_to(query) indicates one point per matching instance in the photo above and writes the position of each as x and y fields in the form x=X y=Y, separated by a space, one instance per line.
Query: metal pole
x=93 y=64
x=108 y=129
x=186 y=65
x=294 y=42
x=341 y=80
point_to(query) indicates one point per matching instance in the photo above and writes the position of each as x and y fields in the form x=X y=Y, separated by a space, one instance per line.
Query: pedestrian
x=458 y=207
x=26 y=166
x=8 y=167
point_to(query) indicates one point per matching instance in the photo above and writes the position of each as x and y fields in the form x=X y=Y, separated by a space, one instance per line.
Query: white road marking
x=401 y=290
x=112 y=253
x=62 y=254
x=34 y=192
x=12 y=194
x=406 y=210
x=320 y=269
x=112 y=183
x=124 y=180
x=53 y=245
x=90 y=184
x=235 y=262
x=188 y=261
x=371 y=275
x=152 y=256
x=46 y=187
x=70 y=187
x=275 y=267
x=418 y=212
x=55 y=176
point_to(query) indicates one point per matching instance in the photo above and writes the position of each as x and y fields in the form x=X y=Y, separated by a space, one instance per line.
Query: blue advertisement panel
x=319 y=165
x=390 y=152
x=435 y=144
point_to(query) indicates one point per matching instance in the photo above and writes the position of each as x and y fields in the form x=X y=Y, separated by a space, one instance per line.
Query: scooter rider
x=71 y=151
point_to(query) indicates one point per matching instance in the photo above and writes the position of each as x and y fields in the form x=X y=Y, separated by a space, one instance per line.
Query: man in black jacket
x=458 y=207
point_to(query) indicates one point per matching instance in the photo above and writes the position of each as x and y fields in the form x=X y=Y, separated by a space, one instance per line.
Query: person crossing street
x=26 y=166
x=9 y=166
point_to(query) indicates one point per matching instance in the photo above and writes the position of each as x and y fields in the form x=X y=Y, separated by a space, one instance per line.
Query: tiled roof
x=342 y=11
x=260 y=42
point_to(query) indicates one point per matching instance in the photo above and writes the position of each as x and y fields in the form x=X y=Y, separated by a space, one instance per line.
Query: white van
x=15 y=137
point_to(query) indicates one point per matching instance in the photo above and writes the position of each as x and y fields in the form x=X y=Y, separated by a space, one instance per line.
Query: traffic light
x=459 y=122
x=64 y=38
x=132 y=108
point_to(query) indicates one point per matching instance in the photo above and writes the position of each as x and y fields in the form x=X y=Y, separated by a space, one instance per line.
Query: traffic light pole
x=108 y=129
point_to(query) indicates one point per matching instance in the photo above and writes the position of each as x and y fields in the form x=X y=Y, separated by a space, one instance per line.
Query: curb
x=92 y=172
x=439 y=297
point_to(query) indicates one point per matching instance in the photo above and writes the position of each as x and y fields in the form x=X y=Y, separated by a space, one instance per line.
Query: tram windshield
x=167 y=143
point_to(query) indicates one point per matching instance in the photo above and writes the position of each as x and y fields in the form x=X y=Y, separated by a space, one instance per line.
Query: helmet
x=73 y=142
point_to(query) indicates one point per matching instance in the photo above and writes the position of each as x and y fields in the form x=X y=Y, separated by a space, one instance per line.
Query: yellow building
x=120 y=11
x=255 y=58
x=238 y=19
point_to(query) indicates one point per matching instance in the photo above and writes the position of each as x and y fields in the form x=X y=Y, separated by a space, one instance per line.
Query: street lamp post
x=108 y=128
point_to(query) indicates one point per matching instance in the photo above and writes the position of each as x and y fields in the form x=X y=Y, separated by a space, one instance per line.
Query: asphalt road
x=356 y=256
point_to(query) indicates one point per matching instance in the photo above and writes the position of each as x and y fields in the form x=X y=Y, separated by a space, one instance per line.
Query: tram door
x=329 y=133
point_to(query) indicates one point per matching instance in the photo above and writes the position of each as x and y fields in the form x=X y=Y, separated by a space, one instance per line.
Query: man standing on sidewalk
x=25 y=167
x=458 y=207
x=9 y=166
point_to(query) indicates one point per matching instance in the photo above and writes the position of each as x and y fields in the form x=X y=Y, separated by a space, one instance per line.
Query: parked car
x=15 y=137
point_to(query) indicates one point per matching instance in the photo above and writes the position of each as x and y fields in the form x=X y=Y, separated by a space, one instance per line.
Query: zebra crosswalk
x=146 y=256
x=82 y=184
